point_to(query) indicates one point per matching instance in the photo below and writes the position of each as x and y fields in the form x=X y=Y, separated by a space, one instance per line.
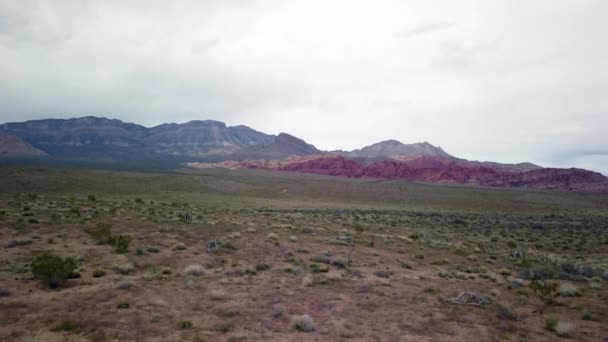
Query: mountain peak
x=395 y=149
x=204 y=123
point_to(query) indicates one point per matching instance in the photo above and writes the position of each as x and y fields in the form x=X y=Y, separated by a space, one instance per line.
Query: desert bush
x=323 y=259
x=234 y=235
x=303 y=323
x=228 y=245
x=184 y=325
x=563 y=328
x=124 y=285
x=550 y=323
x=91 y=197
x=217 y=294
x=179 y=247
x=123 y=305
x=99 y=273
x=224 y=327
x=262 y=267
x=53 y=269
x=102 y=233
x=120 y=243
x=16 y=243
x=506 y=311
x=195 y=270
x=340 y=263
x=545 y=292
x=318 y=268
x=382 y=274
x=306 y=230
x=125 y=268
x=538 y=273
x=567 y=290
x=4 y=292
x=66 y=326
x=152 y=250
x=505 y=271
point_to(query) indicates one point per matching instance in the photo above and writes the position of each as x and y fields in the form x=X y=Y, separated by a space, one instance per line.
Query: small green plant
x=224 y=327
x=120 y=243
x=184 y=325
x=65 y=326
x=545 y=292
x=92 y=198
x=262 y=267
x=102 y=233
x=505 y=311
x=550 y=323
x=99 y=273
x=52 y=269
x=123 y=305
x=228 y=245
x=303 y=323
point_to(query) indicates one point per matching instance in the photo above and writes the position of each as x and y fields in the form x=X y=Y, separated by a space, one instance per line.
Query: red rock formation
x=436 y=170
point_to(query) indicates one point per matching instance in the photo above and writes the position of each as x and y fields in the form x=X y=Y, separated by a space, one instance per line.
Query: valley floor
x=281 y=270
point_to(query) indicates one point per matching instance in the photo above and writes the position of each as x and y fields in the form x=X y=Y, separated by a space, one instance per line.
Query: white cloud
x=502 y=80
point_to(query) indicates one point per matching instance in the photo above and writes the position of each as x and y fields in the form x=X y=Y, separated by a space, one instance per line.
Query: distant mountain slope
x=113 y=141
x=397 y=149
x=209 y=143
x=12 y=146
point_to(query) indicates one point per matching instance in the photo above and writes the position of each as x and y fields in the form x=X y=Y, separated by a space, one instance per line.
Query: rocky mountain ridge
x=209 y=143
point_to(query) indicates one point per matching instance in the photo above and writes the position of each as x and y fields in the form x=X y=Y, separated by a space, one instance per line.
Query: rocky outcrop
x=437 y=170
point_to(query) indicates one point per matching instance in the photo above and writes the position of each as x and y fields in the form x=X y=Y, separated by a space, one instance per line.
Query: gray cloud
x=484 y=80
x=424 y=29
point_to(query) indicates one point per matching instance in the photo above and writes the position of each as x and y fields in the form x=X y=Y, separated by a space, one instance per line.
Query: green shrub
x=550 y=323
x=53 y=269
x=102 y=233
x=303 y=323
x=123 y=305
x=505 y=311
x=262 y=267
x=185 y=325
x=65 y=326
x=224 y=327
x=120 y=243
x=228 y=246
x=99 y=273
x=91 y=198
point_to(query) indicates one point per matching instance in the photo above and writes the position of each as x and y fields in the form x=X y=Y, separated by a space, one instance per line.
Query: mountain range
x=101 y=141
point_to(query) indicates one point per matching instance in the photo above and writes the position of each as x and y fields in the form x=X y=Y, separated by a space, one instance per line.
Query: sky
x=506 y=81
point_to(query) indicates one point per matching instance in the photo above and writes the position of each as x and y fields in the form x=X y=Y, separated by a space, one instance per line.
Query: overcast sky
x=505 y=81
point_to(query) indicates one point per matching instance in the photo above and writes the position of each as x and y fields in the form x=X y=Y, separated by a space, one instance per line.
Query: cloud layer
x=504 y=80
